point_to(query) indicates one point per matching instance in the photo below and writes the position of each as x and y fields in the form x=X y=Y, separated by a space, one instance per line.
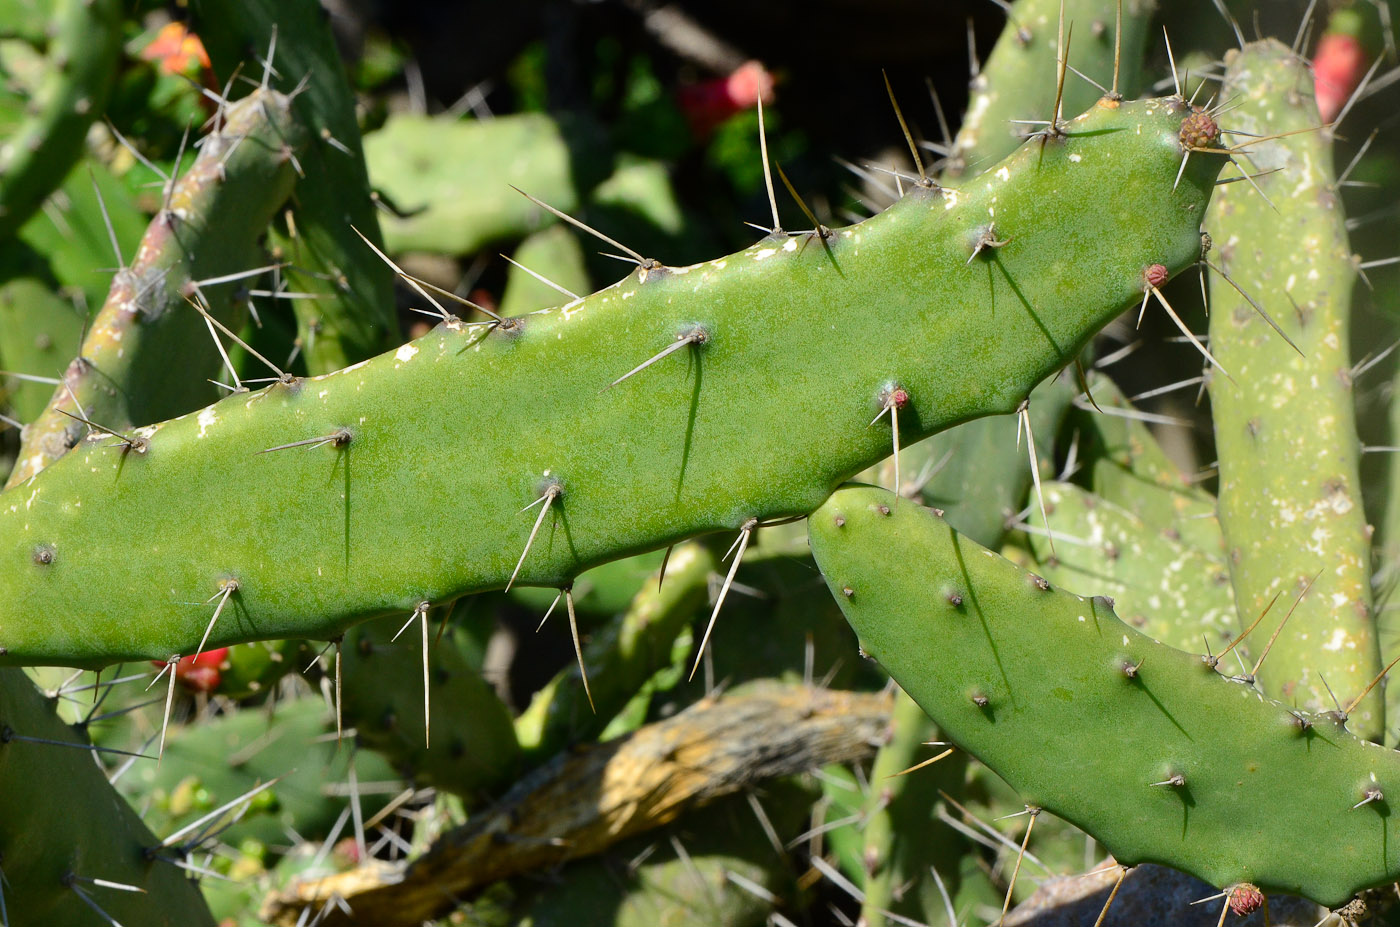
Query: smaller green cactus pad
x=1159 y=756
x=345 y=310
x=470 y=746
x=1285 y=429
x=1017 y=82
x=209 y=228
x=450 y=179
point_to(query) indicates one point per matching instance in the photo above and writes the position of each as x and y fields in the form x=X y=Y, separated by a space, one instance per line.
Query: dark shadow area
x=972 y=598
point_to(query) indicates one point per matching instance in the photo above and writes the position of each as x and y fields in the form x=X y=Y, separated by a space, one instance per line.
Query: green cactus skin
x=71 y=232
x=1180 y=513
x=1127 y=466
x=1017 y=81
x=37 y=331
x=983 y=485
x=220 y=206
x=1078 y=736
x=63 y=820
x=620 y=660
x=470 y=748
x=82 y=61
x=452 y=179
x=359 y=522
x=555 y=254
x=352 y=316
x=1387 y=559
x=902 y=837
x=1285 y=430
x=207 y=764
x=1169 y=590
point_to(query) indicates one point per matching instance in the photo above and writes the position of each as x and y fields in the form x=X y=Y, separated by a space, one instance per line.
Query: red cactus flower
x=1338 y=66
x=200 y=673
x=710 y=102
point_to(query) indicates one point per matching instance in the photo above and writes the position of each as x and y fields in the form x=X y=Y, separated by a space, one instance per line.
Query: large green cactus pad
x=416 y=472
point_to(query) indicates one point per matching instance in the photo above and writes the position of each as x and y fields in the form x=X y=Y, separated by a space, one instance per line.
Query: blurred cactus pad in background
x=650 y=462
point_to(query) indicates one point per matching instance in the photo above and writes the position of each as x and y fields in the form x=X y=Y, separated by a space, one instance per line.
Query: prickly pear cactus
x=514 y=619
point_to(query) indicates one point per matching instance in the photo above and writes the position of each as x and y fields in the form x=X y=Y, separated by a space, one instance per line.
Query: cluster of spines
x=189 y=276
x=343 y=303
x=1008 y=93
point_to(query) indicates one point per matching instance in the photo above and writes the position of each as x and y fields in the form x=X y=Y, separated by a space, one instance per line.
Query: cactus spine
x=469 y=747
x=620 y=660
x=345 y=312
x=1011 y=92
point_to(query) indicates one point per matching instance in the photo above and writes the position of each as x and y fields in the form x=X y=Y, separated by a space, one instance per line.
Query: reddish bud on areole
x=1199 y=130
x=899 y=398
x=1155 y=275
x=1245 y=899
